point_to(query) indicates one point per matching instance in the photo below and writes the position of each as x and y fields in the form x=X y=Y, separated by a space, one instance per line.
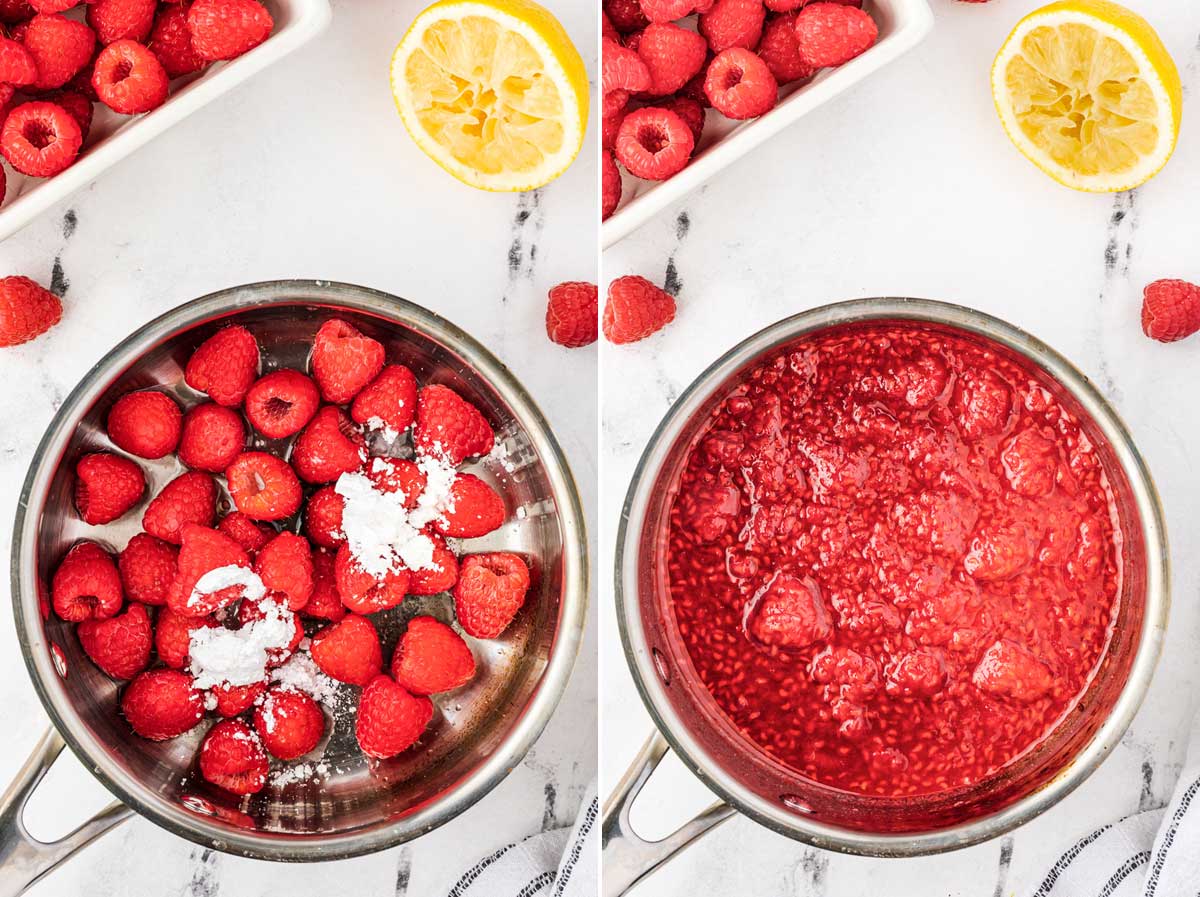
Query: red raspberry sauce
x=893 y=558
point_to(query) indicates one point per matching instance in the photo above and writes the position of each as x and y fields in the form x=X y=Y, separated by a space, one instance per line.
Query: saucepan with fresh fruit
x=300 y=574
x=891 y=579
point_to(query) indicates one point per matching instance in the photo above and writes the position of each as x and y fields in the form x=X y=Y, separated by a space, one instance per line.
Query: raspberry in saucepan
x=119 y=645
x=348 y=650
x=329 y=446
x=211 y=438
x=232 y=757
x=86 y=585
x=263 y=487
x=146 y=423
x=106 y=486
x=491 y=589
x=281 y=403
x=390 y=719
x=431 y=657
x=147 y=566
x=390 y=400
x=344 y=360
x=285 y=565
x=289 y=723
x=449 y=427
x=161 y=704
x=189 y=498
x=473 y=509
x=224 y=366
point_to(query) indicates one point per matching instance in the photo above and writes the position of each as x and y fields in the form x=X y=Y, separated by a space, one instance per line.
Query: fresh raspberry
x=431 y=657
x=783 y=5
x=390 y=400
x=202 y=551
x=673 y=55
x=398 y=475
x=328 y=447
x=161 y=704
x=324 y=603
x=781 y=52
x=348 y=651
x=611 y=186
x=282 y=403
x=635 y=309
x=654 y=143
x=106 y=486
x=61 y=47
x=830 y=34
x=623 y=69
x=173 y=636
x=17 y=66
x=40 y=139
x=224 y=366
x=51 y=6
x=145 y=423
x=14 y=11
x=119 y=645
x=450 y=427
x=285 y=565
x=740 y=85
x=361 y=592
x=147 y=566
x=390 y=720
x=323 y=517
x=441 y=577
x=625 y=15
x=733 y=23
x=189 y=498
x=667 y=10
x=289 y=723
x=115 y=20
x=129 y=78
x=212 y=437
x=247 y=532
x=263 y=487
x=252 y=611
x=232 y=757
x=606 y=27
x=344 y=360
x=86 y=585
x=691 y=111
x=78 y=105
x=171 y=42
x=573 y=311
x=694 y=89
x=234 y=700
x=27 y=310
x=612 y=116
x=225 y=29
x=491 y=589
x=472 y=510
x=1170 y=310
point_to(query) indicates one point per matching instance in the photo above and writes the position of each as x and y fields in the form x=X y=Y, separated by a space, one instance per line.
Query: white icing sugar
x=301 y=673
x=219 y=656
x=499 y=454
x=224 y=577
x=380 y=426
x=299 y=772
x=381 y=532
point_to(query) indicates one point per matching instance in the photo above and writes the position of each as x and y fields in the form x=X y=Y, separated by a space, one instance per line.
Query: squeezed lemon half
x=1087 y=91
x=493 y=91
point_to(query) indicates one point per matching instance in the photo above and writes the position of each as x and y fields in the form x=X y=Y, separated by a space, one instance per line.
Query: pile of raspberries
x=122 y=53
x=135 y=612
x=659 y=74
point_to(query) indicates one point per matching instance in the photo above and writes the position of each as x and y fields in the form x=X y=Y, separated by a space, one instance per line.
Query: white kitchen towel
x=1151 y=854
x=563 y=862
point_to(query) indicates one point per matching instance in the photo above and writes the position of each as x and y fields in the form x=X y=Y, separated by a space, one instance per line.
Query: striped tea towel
x=563 y=862
x=1151 y=854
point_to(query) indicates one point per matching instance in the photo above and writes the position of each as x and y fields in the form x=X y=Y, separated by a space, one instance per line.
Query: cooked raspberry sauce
x=893 y=558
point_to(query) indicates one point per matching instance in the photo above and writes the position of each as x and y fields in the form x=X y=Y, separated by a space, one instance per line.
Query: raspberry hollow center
x=277 y=407
x=732 y=78
x=39 y=133
x=652 y=139
x=123 y=70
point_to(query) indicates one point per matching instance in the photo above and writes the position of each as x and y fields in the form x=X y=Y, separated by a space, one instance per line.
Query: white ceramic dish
x=113 y=136
x=902 y=25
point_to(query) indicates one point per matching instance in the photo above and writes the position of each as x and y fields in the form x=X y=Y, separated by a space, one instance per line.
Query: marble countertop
x=908 y=187
x=305 y=171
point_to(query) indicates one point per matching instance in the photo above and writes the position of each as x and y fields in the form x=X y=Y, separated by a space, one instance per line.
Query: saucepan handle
x=23 y=858
x=628 y=858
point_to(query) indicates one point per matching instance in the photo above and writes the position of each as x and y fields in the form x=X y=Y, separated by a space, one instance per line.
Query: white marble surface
x=908 y=187
x=306 y=171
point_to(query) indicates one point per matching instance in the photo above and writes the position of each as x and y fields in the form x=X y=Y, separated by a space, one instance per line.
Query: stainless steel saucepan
x=745 y=779
x=479 y=734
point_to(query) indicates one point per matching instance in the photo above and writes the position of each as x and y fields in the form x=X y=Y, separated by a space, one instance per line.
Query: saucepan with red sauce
x=891 y=578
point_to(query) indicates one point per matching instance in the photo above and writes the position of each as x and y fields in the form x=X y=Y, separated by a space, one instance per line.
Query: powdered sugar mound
x=224 y=577
x=219 y=656
x=300 y=673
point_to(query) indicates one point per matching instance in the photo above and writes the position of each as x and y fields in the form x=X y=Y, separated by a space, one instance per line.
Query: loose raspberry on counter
x=740 y=85
x=146 y=423
x=389 y=401
x=27 y=310
x=654 y=143
x=329 y=446
x=263 y=487
x=225 y=29
x=232 y=757
x=635 y=309
x=610 y=185
x=129 y=79
x=224 y=366
x=348 y=650
x=106 y=486
x=147 y=566
x=491 y=589
x=733 y=23
x=115 y=20
x=162 y=704
x=40 y=139
x=189 y=498
x=86 y=585
x=829 y=34
x=450 y=427
x=431 y=657
x=61 y=47
x=573 y=311
x=119 y=645
x=290 y=724
x=281 y=403
x=343 y=359
x=390 y=719
x=212 y=437
x=1170 y=310
x=673 y=56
